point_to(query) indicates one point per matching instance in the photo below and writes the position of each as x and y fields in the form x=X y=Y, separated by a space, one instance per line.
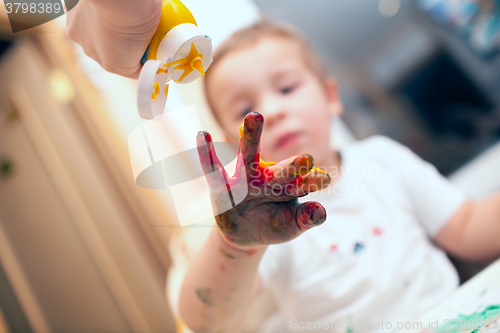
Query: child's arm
x=222 y=279
x=474 y=230
x=467 y=229
x=219 y=286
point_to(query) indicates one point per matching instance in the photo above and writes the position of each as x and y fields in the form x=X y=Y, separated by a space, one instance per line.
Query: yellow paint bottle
x=178 y=51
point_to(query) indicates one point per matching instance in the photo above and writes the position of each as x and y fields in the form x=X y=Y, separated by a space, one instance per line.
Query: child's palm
x=267 y=210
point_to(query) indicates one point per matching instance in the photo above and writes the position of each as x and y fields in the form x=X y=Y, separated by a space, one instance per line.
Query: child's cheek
x=265 y=147
x=266 y=151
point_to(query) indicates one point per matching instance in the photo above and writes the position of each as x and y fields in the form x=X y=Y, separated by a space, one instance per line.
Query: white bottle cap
x=175 y=45
x=149 y=107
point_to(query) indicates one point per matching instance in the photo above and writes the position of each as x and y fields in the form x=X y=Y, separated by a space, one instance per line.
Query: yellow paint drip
x=188 y=64
x=156 y=92
x=318 y=170
x=264 y=164
x=242 y=131
x=196 y=63
x=166 y=91
x=162 y=70
x=166 y=64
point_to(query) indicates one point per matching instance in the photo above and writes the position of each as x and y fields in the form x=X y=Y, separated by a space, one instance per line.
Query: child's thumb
x=310 y=214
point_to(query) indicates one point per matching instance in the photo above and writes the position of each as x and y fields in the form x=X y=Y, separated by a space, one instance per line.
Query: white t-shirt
x=373 y=259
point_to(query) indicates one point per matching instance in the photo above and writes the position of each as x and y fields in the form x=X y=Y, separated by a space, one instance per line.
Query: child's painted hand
x=269 y=212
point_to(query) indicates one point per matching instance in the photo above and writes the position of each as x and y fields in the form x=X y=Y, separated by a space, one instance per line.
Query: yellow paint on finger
x=264 y=164
x=318 y=170
x=242 y=131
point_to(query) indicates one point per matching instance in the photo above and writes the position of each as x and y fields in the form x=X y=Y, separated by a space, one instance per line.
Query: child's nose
x=272 y=110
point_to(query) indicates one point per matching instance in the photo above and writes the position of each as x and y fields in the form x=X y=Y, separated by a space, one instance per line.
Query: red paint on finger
x=252 y=124
x=300 y=180
x=208 y=145
x=311 y=214
x=268 y=174
x=311 y=210
x=295 y=187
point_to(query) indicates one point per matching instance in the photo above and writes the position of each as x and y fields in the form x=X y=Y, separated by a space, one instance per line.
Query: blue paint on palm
x=358 y=247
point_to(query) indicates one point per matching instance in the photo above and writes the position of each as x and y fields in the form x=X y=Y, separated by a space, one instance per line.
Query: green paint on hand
x=205 y=295
x=227 y=254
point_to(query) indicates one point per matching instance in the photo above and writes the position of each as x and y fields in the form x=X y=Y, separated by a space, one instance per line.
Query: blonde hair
x=252 y=35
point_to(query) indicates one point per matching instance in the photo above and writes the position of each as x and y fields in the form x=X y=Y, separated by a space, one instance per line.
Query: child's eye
x=245 y=112
x=287 y=90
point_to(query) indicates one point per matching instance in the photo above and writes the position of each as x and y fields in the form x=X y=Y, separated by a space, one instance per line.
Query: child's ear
x=333 y=96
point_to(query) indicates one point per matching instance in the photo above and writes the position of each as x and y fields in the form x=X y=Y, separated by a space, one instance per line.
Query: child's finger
x=280 y=174
x=310 y=214
x=214 y=171
x=250 y=138
x=311 y=182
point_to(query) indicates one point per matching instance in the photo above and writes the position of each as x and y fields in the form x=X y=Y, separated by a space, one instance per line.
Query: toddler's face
x=272 y=78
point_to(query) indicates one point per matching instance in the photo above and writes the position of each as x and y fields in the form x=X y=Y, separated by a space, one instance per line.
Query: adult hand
x=115 y=33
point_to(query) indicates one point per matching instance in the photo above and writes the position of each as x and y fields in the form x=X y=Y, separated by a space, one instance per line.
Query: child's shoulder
x=379 y=146
x=383 y=153
x=376 y=141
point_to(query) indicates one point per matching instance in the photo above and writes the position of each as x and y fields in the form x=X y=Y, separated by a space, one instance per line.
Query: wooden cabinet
x=77 y=246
